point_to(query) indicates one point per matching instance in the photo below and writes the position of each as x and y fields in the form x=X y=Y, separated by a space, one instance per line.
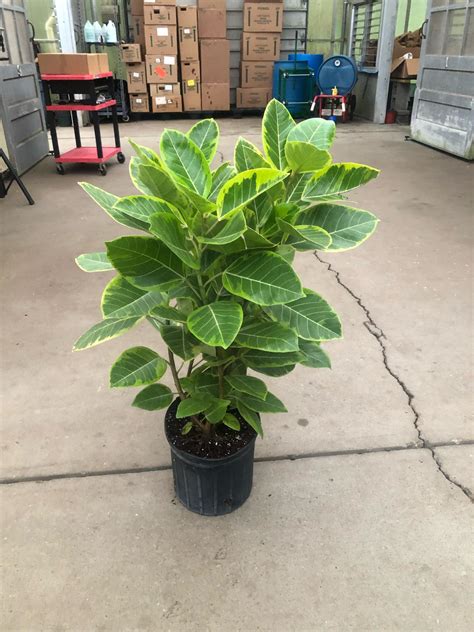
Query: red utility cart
x=99 y=92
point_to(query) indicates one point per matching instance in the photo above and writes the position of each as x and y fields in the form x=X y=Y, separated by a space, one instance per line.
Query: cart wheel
x=102 y=170
x=125 y=118
x=120 y=158
x=60 y=169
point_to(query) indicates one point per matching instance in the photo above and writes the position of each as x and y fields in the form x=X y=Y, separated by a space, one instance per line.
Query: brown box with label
x=166 y=103
x=215 y=96
x=188 y=43
x=162 y=89
x=212 y=23
x=253 y=97
x=190 y=70
x=263 y=17
x=136 y=77
x=137 y=27
x=215 y=61
x=160 y=39
x=191 y=95
x=73 y=63
x=161 y=68
x=136 y=7
x=405 y=68
x=139 y=102
x=212 y=4
x=187 y=17
x=260 y=47
x=158 y=3
x=130 y=53
x=160 y=15
x=256 y=74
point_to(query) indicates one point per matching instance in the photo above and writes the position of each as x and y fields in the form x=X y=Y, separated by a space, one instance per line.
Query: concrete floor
x=368 y=529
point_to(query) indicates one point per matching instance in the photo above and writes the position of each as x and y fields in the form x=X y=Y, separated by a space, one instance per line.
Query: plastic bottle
x=111 y=32
x=88 y=32
x=104 y=34
x=97 y=31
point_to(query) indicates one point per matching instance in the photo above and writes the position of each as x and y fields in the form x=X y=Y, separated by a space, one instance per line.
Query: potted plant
x=210 y=268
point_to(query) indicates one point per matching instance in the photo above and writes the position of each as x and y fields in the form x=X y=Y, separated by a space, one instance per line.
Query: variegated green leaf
x=313 y=355
x=295 y=186
x=205 y=135
x=216 y=411
x=264 y=278
x=231 y=421
x=255 y=359
x=152 y=180
x=216 y=324
x=305 y=237
x=225 y=232
x=251 y=417
x=316 y=131
x=180 y=341
x=185 y=162
x=304 y=157
x=137 y=366
x=337 y=179
x=94 y=262
x=246 y=186
x=219 y=177
x=146 y=262
x=248 y=156
x=267 y=336
x=153 y=397
x=142 y=207
x=103 y=331
x=348 y=227
x=107 y=201
x=192 y=406
x=247 y=384
x=276 y=125
x=169 y=313
x=311 y=317
x=271 y=403
x=145 y=153
x=168 y=229
x=121 y=299
x=275 y=371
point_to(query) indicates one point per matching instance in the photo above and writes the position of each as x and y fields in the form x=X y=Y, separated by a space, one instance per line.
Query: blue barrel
x=295 y=88
x=314 y=61
x=338 y=71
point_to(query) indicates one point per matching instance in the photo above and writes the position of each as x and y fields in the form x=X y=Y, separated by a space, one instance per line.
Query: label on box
x=169 y=60
x=160 y=100
x=162 y=31
x=161 y=72
x=187 y=31
x=191 y=83
x=138 y=101
x=168 y=87
x=136 y=74
x=149 y=1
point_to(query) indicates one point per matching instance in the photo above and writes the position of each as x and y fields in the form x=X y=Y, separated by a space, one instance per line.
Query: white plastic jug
x=88 y=32
x=111 y=32
x=97 y=31
x=104 y=33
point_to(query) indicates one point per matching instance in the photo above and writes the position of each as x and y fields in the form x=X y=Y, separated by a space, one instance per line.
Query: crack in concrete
x=45 y=478
x=379 y=335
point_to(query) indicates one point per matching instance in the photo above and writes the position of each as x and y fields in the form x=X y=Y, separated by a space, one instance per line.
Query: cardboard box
x=160 y=39
x=188 y=43
x=215 y=61
x=165 y=89
x=165 y=103
x=263 y=17
x=256 y=74
x=191 y=95
x=130 y=53
x=159 y=15
x=260 y=47
x=253 y=97
x=190 y=70
x=139 y=102
x=187 y=17
x=136 y=78
x=137 y=27
x=159 y=3
x=212 y=23
x=161 y=68
x=136 y=7
x=215 y=96
x=403 y=68
x=212 y=4
x=73 y=63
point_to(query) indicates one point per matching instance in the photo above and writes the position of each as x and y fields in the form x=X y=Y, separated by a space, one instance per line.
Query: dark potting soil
x=224 y=442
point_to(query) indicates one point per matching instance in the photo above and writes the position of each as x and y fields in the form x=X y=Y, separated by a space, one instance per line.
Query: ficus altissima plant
x=210 y=267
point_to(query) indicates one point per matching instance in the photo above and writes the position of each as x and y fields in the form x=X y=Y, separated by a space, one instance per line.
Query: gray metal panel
x=15 y=32
x=21 y=111
x=443 y=112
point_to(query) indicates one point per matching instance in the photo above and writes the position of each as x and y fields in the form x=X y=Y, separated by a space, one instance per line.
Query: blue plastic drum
x=338 y=71
x=314 y=61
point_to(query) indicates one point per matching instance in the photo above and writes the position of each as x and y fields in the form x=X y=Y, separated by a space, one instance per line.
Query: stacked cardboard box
x=189 y=58
x=263 y=23
x=214 y=55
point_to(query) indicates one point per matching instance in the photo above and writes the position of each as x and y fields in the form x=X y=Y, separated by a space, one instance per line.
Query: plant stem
x=174 y=373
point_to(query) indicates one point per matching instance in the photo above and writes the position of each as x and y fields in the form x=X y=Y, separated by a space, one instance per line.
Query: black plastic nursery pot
x=210 y=487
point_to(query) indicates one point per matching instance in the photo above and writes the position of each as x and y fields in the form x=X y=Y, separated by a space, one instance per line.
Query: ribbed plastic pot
x=212 y=487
